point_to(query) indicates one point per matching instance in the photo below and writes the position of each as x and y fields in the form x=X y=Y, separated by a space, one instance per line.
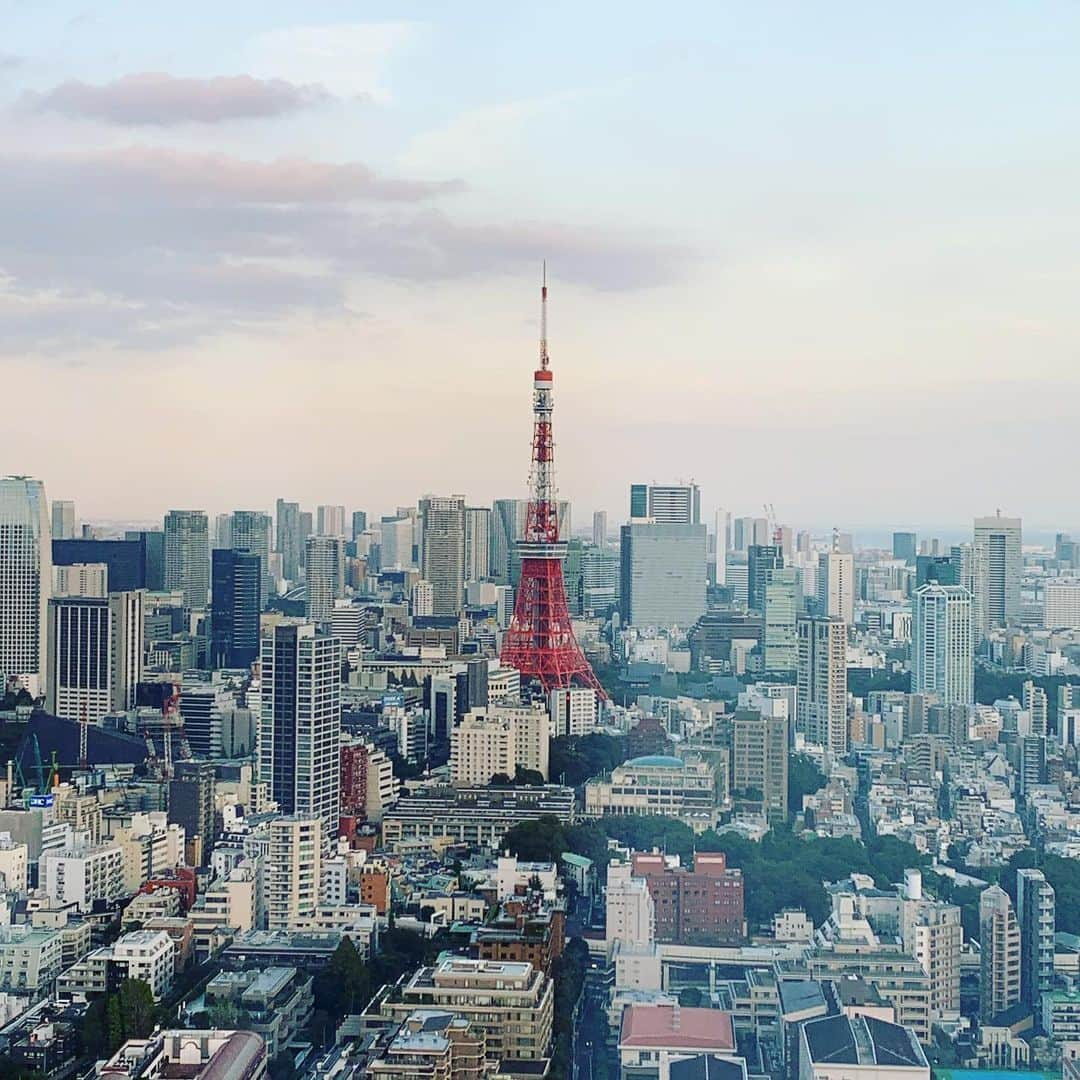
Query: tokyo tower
x=540 y=642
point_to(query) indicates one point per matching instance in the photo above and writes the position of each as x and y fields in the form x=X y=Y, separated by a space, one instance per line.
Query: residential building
x=662 y=574
x=30 y=959
x=836 y=586
x=999 y=563
x=63 y=520
x=300 y=724
x=630 y=911
x=512 y=1003
x=573 y=711
x=759 y=761
x=290 y=543
x=1036 y=918
x=942 y=644
x=780 y=642
x=324 y=575
x=293 y=870
x=83 y=875
x=251 y=533
x=26 y=582
x=234 y=608
x=147 y=955
x=1000 y=964
x=821 y=704
x=187 y=556
x=699 y=906
x=477 y=543
x=126 y=616
x=1033 y=699
x=330 y=521
x=443 y=556
x=433 y=1045
x=499 y=740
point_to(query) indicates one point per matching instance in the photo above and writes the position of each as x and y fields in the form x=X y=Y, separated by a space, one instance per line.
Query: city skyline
x=292 y=198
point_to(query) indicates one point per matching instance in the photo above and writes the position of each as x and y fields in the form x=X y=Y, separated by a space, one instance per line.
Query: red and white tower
x=540 y=642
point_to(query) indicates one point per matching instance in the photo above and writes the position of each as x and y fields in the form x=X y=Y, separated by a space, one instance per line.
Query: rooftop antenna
x=543 y=318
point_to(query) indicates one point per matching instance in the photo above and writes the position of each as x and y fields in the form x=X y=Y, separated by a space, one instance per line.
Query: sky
x=815 y=255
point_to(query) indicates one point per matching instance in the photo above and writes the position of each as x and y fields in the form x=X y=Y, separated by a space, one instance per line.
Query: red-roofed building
x=652 y=1036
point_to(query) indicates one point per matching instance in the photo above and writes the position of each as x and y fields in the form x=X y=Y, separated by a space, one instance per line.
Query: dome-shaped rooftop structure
x=656 y=761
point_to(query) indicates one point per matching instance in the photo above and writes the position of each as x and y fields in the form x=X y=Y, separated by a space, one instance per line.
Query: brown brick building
x=702 y=906
x=524 y=931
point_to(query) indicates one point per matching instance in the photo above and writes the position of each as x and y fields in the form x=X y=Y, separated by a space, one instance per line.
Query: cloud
x=161 y=100
x=9 y=61
x=139 y=246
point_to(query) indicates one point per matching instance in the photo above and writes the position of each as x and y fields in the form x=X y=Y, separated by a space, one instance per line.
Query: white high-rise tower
x=999 y=563
x=942 y=646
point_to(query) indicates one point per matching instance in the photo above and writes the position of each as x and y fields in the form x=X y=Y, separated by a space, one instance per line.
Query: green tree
x=543 y=840
x=804 y=778
x=344 y=986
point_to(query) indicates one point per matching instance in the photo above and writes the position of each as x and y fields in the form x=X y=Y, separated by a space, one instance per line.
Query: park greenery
x=573 y=759
x=129 y=1013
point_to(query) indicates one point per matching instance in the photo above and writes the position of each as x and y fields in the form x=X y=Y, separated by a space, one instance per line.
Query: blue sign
x=395 y=699
x=41 y=800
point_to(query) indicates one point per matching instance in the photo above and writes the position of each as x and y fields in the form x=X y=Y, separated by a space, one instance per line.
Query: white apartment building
x=629 y=908
x=13 y=866
x=836 y=585
x=998 y=566
x=499 y=739
x=573 y=711
x=148 y=955
x=1061 y=605
x=82 y=875
x=942 y=644
x=293 y=870
x=29 y=958
x=821 y=703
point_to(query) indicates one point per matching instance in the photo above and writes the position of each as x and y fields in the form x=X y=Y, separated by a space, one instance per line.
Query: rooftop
x=862 y=1040
x=675 y=1027
x=657 y=761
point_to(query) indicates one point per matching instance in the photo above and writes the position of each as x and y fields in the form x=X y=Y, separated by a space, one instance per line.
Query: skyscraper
x=821 y=705
x=126 y=618
x=999 y=952
x=599 y=528
x=999 y=563
x=904 y=546
x=79 y=682
x=187 y=556
x=761 y=560
x=443 y=560
x=63 y=520
x=152 y=542
x=251 y=532
x=1034 y=702
x=290 y=544
x=759 y=760
x=396 y=542
x=325 y=575
x=222 y=534
x=300 y=723
x=942 y=647
x=1036 y=916
x=359 y=523
x=780 y=644
x=477 y=542
x=666 y=504
x=836 y=585
x=330 y=521
x=25 y=582
x=662 y=574
x=234 y=608
x=508 y=518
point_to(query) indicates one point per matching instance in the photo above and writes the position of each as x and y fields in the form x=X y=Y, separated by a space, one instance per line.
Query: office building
x=79 y=679
x=359 y=524
x=657 y=784
x=187 y=556
x=443 y=562
x=300 y=724
x=63 y=520
x=25 y=581
x=290 y=544
x=749 y=530
x=1036 y=918
x=477 y=543
x=1061 y=605
x=293 y=869
x=666 y=504
x=507 y=528
x=236 y=581
x=191 y=802
x=759 y=762
x=330 y=521
x=999 y=953
x=499 y=740
x=82 y=579
x=599 y=581
x=836 y=585
x=821 y=704
x=126 y=612
x=780 y=644
x=251 y=533
x=662 y=574
x=205 y=700
x=599 y=528
x=999 y=562
x=762 y=560
x=125 y=561
x=325 y=575
x=942 y=645
x=904 y=546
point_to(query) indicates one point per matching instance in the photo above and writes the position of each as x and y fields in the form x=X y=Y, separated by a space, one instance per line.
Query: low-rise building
x=194 y=1055
x=859 y=1048
x=30 y=959
x=653 y=1037
x=657 y=784
x=434 y=1045
x=274 y=1002
x=147 y=955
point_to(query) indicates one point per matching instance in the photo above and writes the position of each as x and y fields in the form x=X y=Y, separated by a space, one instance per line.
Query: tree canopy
x=573 y=759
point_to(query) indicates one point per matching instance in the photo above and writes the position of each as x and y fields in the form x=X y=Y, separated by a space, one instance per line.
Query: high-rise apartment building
x=1035 y=704
x=662 y=574
x=234 y=608
x=359 y=524
x=836 y=585
x=443 y=561
x=251 y=533
x=499 y=739
x=780 y=643
x=999 y=953
x=931 y=931
x=221 y=537
x=330 y=521
x=759 y=760
x=126 y=628
x=477 y=543
x=942 y=645
x=904 y=546
x=293 y=869
x=1036 y=915
x=25 y=581
x=666 y=504
x=821 y=705
x=325 y=575
x=999 y=562
x=79 y=679
x=187 y=556
x=290 y=544
x=599 y=528
x=300 y=723
x=63 y=520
